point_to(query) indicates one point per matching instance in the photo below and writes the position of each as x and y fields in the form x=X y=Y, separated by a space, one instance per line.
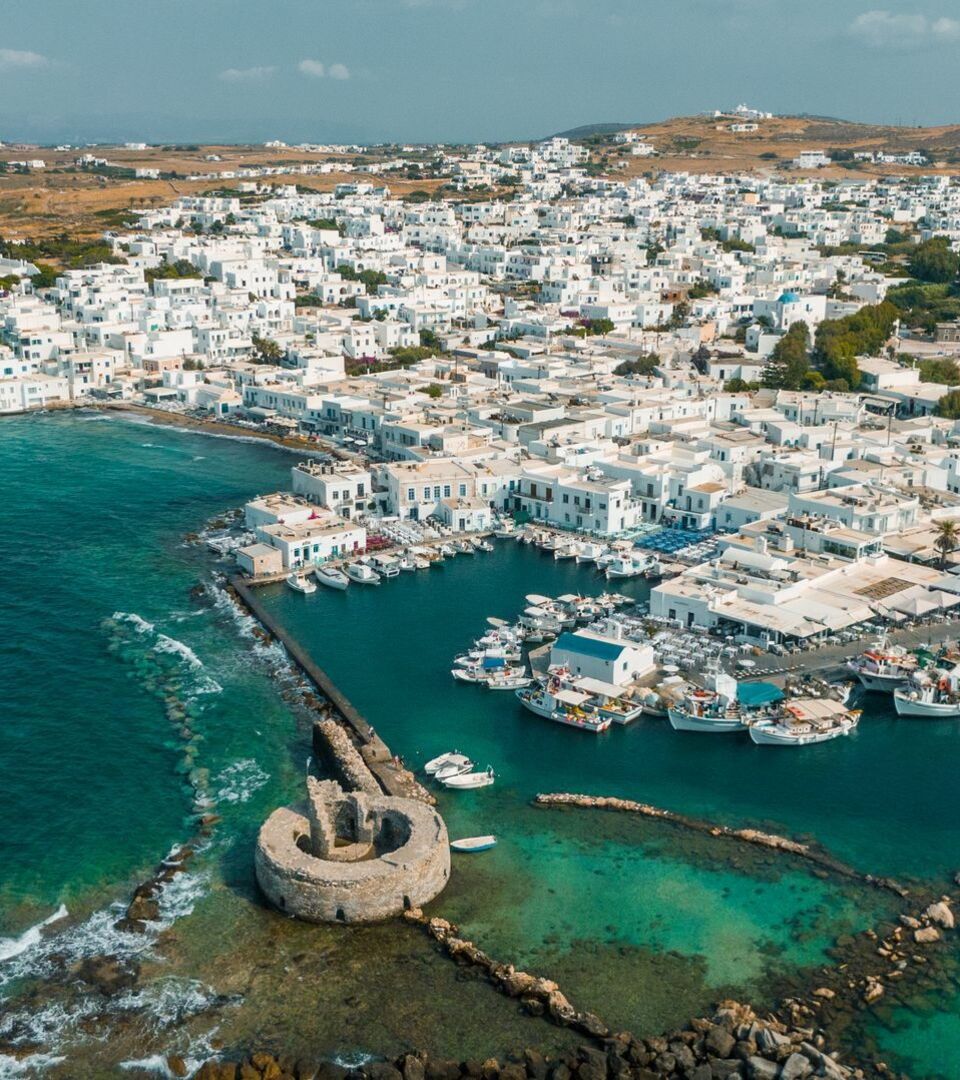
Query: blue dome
x=788 y=298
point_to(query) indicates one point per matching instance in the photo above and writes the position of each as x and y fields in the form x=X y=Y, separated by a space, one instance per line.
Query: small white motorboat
x=331 y=577
x=470 y=780
x=471 y=844
x=407 y=562
x=450 y=758
x=484 y=545
x=447 y=551
x=420 y=563
x=466 y=547
x=362 y=574
x=301 y=584
x=453 y=768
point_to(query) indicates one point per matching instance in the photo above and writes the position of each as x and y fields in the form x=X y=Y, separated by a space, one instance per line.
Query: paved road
x=835 y=656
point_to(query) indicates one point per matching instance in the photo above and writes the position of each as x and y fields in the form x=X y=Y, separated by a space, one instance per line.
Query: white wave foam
x=239 y=781
x=136 y=621
x=14 y=946
x=167 y=644
x=32 y=1064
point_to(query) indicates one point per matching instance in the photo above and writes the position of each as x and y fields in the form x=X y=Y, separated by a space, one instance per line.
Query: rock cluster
x=748 y=836
x=733 y=1044
x=333 y=745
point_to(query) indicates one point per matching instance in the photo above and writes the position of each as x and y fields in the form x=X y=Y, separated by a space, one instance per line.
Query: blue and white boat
x=473 y=844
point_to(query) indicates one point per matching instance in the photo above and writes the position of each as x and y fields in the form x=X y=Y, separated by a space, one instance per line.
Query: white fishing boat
x=473 y=844
x=470 y=674
x=712 y=709
x=931 y=694
x=465 y=547
x=301 y=584
x=332 y=577
x=589 y=552
x=448 y=551
x=566 y=551
x=467 y=781
x=362 y=574
x=452 y=757
x=420 y=563
x=513 y=679
x=484 y=545
x=628 y=566
x=385 y=565
x=453 y=768
x=803 y=722
x=407 y=563
x=569 y=707
x=505 y=529
x=883 y=667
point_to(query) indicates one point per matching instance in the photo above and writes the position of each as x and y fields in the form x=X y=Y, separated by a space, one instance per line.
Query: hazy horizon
x=432 y=71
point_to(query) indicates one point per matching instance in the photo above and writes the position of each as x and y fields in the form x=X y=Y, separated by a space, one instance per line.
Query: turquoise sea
x=131 y=695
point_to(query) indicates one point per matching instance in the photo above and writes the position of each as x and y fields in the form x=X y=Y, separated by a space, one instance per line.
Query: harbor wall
x=376 y=757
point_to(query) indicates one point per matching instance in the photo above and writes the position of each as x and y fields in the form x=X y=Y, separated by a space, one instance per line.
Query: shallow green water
x=107 y=659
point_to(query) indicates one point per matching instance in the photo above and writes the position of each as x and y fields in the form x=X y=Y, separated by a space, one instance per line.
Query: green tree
x=434 y=390
x=46 y=278
x=949 y=405
x=268 y=351
x=788 y=363
x=934 y=261
x=642 y=365
x=946 y=541
x=940 y=371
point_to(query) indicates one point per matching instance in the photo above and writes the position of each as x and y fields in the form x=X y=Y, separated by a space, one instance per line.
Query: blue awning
x=754 y=694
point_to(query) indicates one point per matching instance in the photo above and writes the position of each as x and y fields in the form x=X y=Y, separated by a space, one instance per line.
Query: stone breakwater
x=733 y=1044
x=822 y=859
x=332 y=746
x=388 y=772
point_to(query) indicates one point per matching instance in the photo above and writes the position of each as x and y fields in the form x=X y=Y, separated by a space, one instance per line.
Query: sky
x=459 y=70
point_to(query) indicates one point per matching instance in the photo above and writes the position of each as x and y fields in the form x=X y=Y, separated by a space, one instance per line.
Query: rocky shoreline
x=732 y=1044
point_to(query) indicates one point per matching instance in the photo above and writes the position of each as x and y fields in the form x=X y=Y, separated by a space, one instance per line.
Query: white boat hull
x=926 y=710
x=339 y=582
x=681 y=720
x=773 y=736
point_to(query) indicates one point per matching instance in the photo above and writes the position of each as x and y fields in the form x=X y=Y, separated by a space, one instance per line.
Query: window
x=411 y=495
x=426 y=493
x=436 y=492
x=446 y=491
x=462 y=490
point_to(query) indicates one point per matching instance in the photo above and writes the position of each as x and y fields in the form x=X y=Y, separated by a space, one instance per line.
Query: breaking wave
x=239 y=781
x=13 y=946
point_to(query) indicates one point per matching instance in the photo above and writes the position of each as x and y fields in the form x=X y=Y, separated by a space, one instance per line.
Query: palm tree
x=947 y=540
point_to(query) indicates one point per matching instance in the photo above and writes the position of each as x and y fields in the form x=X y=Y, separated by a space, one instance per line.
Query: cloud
x=250 y=74
x=316 y=69
x=11 y=59
x=887 y=29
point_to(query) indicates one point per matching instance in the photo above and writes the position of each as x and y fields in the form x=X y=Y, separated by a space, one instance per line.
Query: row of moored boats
x=372 y=569
x=924 y=685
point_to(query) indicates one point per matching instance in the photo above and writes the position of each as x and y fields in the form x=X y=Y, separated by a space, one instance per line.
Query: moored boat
x=472 y=844
x=803 y=722
x=362 y=574
x=569 y=707
x=332 y=577
x=467 y=781
x=884 y=668
x=301 y=584
x=931 y=694
x=450 y=758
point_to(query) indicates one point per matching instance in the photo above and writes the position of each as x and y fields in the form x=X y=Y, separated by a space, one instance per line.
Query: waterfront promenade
x=828 y=658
